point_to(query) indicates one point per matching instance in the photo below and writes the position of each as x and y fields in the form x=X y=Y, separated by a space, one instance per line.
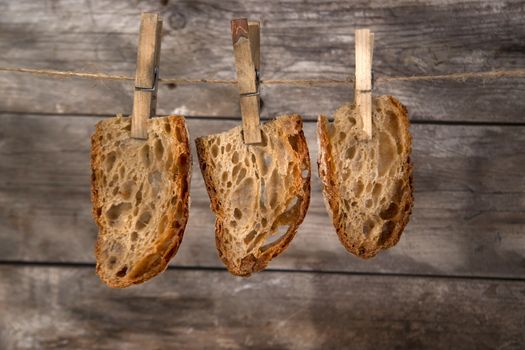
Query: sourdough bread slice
x=259 y=193
x=367 y=184
x=140 y=195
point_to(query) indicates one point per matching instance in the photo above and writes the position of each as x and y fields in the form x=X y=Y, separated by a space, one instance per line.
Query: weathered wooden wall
x=455 y=280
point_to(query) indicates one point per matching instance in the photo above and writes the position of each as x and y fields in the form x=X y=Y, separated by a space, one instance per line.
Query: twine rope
x=513 y=73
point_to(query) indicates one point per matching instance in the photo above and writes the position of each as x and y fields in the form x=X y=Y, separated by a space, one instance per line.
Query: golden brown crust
x=156 y=260
x=253 y=262
x=331 y=182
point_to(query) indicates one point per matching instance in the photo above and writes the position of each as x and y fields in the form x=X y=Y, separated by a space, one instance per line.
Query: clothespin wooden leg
x=147 y=74
x=364 y=48
x=246 y=38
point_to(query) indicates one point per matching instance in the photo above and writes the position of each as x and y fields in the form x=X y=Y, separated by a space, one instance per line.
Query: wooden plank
x=59 y=308
x=300 y=41
x=468 y=219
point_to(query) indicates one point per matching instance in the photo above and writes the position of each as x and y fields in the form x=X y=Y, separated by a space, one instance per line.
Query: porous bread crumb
x=367 y=184
x=140 y=195
x=259 y=193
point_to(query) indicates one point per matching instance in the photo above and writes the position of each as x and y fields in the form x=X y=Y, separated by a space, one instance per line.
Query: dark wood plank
x=468 y=219
x=312 y=39
x=69 y=308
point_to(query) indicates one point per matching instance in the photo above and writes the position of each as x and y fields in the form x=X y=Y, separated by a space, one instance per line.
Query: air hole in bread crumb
x=228 y=147
x=110 y=161
x=214 y=151
x=264 y=222
x=368 y=203
x=143 y=220
x=144 y=155
x=235 y=157
x=134 y=236
x=116 y=210
x=138 y=196
x=275 y=238
x=154 y=180
x=237 y=213
x=393 y=123
x=126 y=189
x=386 y=231
x=250 y=236
x=241 y=176
x=389 y=212
x=377 y=190
x=169 y=161
x=229 y=184
x=122 y=272
x=387 y=151
x=368 y=226
x=351 y=121
x=112 y=261
x=122 y=171
x=236 y=170
x=342 y=136
x=358 y=188
x=167 y=127
x=350 y=152
x=159 y=149
x=294 y=142
x=224 y=176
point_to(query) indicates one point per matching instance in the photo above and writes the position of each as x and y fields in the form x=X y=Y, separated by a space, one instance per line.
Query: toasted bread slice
x=140 y=195
x=367 y=184
x=259 y=193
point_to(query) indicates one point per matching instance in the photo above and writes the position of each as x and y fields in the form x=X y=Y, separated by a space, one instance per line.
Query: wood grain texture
x=146 y=74
x=364 y=49
x=299 y=40
x=468 y=219
x=244 y=51
x=68 y=308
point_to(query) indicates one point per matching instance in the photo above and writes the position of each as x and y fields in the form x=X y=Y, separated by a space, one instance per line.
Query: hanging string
x=513 y=73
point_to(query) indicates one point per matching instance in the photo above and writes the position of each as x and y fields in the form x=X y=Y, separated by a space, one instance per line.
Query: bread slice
x=259 y=193
x=367 y=184
x=140 y=194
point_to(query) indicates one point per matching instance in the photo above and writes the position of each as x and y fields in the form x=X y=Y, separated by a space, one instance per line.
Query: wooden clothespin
x=147 y=74
x=246 y=47
x=364 y=48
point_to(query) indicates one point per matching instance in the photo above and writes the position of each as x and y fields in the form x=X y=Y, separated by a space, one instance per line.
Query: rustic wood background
x=455 y=280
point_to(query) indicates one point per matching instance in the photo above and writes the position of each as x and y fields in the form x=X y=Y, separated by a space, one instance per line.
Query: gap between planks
x=50 y=264
x=233 y=118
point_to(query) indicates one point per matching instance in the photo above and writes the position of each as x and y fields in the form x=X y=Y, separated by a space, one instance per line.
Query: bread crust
x=156 y=259
x=258 y=260
x=331 y=181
